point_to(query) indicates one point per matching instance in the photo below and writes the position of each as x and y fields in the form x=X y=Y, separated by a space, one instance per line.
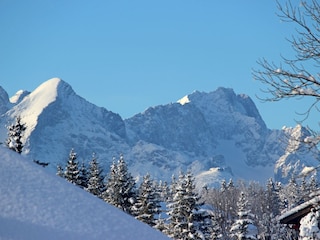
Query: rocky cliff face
x=214 y=134
x=298 y=156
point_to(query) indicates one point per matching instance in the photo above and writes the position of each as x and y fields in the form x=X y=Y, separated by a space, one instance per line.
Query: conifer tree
x=178 y=226
x=147 y=205
x=244 y=228
x=95 y=184
x=121 y=187
x=127 y=186
x=184 y=216
x=111 y=194
x=15 y=133
x=161 y=225
x=72 y=169
x=83 y=176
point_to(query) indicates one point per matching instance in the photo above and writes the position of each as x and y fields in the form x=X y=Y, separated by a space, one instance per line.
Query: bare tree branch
x=291 y=79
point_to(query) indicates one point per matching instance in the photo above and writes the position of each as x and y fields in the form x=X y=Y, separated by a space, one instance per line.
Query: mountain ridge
x=204 y=132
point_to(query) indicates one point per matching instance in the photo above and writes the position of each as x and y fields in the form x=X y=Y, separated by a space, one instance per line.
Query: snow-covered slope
x=217 y=135
x=19 y=96
x=35 y=204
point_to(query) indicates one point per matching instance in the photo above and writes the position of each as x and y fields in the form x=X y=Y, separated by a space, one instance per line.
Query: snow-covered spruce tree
x=205 y=225
x=15 y=133
x=183 y=210
x=95 y=184
x=147 y=205
x=178 y=218
x=72 y=170
x=243 y=228
x=83 y=176
x=200 y=224
x=111 y=194
x=127 y=186
x=120 y=187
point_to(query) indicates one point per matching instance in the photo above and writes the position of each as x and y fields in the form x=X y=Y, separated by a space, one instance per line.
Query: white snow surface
x=32 y=105
x=18 y=96
x=35 y=204
x=184 y=100
x=309 y=226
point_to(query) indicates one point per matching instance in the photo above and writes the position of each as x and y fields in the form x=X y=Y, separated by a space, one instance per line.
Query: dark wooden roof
x=294 y=215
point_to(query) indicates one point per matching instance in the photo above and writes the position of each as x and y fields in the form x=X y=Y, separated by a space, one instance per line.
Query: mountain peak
x=184 y=100
x=19 y=96
x=32 y=105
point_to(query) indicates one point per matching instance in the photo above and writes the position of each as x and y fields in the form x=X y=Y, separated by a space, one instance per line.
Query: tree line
x=179 y=210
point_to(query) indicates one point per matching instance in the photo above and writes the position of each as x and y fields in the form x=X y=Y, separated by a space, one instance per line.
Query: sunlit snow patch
x=184 y=100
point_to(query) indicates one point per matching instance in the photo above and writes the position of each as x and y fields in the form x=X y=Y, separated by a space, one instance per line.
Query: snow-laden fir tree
x=83 y=176
x=243 y=228
x=120 y=187
x=111 y=194
x=95 y=184
x=15 y=133
x=147 y=205
x=72 y=169
x=177 y=211
x=200 y=224
x=183 y=210
x=204 y=225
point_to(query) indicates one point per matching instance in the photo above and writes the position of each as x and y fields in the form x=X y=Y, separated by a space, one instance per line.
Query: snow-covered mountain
x=217 y=135
x=58 y=120
x=298 y=157
x=36 y=204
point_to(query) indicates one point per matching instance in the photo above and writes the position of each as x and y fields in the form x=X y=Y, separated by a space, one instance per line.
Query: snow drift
x=35 y=204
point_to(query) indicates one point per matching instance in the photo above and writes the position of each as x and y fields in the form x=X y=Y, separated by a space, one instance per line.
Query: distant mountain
x=58 y=120
x=298 y=157
x=216 y=135
x=35 y=204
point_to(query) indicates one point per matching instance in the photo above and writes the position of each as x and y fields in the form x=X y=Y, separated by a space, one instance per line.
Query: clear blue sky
x=129 y=55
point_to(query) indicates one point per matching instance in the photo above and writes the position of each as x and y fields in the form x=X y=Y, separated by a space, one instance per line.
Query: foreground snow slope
x=35 y=204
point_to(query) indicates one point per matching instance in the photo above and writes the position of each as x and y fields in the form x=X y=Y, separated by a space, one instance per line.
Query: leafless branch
x=291 y=79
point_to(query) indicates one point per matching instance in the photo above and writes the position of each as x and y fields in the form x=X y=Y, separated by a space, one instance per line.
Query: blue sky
x=129 y=55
